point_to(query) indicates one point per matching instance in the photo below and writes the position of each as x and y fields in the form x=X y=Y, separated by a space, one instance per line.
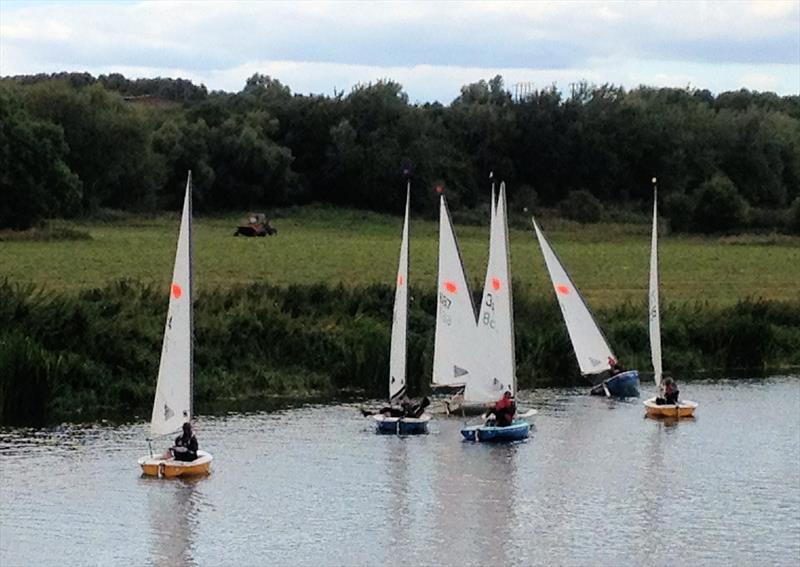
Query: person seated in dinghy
x=185 y=448
x=503 y=411
x=614 y=366
x=416 y=410
x=669 y=392
x=407 y=409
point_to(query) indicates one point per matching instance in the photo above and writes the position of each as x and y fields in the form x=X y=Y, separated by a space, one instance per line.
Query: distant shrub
x=471 y=217
x=719 y=207
x=679 y=209
x=581 y=206
x=627 y=216
x=767 y=219
x=522 y=198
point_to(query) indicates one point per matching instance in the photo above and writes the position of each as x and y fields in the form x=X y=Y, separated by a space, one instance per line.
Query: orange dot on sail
x=562 y=289
x=177 y=291
x=496 y=284
x=450 y=286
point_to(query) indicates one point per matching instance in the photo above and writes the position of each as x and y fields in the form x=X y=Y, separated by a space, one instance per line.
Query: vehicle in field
x=255 y=224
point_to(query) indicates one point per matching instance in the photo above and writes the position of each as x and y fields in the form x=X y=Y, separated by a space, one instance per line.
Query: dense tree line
x=71 y=143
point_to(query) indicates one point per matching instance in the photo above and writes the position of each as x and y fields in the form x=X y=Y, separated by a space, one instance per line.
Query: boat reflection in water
x=474 y=501
x=172 y=510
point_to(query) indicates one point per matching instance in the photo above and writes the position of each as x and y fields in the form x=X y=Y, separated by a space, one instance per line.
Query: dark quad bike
x=256 y=224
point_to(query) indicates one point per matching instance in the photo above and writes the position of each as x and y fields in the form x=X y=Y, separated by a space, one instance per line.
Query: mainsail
x=397 y=354
x=173 y=400
x=590 y=346
x=454 y=342
x=655 y=318
x=497 y=371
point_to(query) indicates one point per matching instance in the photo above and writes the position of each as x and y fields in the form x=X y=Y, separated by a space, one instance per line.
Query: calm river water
x=596 y=484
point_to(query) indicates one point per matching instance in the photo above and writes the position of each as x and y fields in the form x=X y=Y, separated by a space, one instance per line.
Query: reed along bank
x=94 y=355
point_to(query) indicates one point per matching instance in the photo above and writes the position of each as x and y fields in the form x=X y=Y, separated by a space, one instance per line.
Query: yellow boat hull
x=170 y=468
x=680 y=410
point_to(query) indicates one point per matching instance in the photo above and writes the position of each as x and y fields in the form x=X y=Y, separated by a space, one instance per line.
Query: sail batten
x=399 y=340
x=654 y=309
x=173 y=398
x=591 y=348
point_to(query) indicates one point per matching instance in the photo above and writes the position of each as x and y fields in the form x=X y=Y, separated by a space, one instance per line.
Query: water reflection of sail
x=654 y=481
x=475 y=489
x=172 y=511
x=399 y=501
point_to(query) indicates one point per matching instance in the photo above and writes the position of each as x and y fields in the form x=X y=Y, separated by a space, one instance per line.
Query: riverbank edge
x=86 y=357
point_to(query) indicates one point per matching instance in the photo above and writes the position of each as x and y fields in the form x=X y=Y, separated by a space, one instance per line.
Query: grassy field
x=322 y=245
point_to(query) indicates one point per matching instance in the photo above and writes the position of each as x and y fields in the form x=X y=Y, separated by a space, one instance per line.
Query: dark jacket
x=185 y=448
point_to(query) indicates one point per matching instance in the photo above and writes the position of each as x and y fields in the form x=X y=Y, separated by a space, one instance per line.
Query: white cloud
x=430 y=47
x=760 y=81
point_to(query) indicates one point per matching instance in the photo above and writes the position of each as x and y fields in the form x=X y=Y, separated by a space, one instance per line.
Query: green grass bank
x=94 y=354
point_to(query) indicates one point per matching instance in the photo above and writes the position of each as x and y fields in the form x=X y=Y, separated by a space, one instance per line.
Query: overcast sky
x=431 y=48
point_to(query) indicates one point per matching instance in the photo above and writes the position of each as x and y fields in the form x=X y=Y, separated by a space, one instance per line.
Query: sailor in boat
x=416 y=410
x=503 y=411
x=614 y=366
x=669 y=392
x=407 y=409
x=185 y=448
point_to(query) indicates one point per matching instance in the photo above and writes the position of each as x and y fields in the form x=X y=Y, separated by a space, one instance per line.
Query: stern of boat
x=681 y=410
x=170 y=468
x=402 y=425
x=623 y=385
x=517 y=431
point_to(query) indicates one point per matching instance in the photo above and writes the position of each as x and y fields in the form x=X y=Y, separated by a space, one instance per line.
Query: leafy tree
x=679 y=208
x=719 y=206
x=34 y=179
x=251 y=169
x=582 y=206
x=265 y=145
x=183 y=146
x=109 y=142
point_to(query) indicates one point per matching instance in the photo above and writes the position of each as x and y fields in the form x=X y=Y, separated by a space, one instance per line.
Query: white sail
x=397 y=354
x=590 y=346
x=496 y=372
x=173 y=400
x=454 y=342
x=655 y=317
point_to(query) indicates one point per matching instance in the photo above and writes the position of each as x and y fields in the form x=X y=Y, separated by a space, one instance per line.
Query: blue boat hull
x=623 y=385
x=518 y=430
x=401 y=426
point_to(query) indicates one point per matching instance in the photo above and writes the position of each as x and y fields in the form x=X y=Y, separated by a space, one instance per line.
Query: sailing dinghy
x=399 y=344
x=473 y=359
x=652 y=408
x=496 y=368
x=518 y=430
x=588 y=342
x=172 y=406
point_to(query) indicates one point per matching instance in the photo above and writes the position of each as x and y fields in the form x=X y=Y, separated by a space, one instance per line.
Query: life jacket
x=190 y=444
x=504 y=404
